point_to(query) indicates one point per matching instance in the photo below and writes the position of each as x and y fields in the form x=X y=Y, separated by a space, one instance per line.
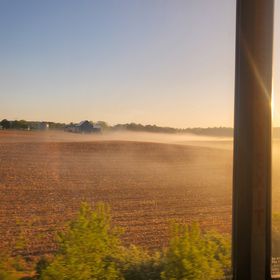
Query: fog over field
x=59 y=136
x=148 y=179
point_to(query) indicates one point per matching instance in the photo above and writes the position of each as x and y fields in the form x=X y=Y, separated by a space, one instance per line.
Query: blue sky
x=146 y=61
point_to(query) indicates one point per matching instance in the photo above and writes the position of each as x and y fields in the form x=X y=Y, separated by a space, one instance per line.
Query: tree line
x=136 y=127
x=29 y=125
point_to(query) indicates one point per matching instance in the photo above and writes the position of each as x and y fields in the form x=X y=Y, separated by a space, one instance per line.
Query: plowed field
x=42 y=184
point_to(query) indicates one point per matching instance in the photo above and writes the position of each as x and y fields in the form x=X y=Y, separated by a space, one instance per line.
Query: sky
x=169 y=63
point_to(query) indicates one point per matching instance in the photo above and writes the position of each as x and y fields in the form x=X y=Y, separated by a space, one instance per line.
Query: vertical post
x=252 y=140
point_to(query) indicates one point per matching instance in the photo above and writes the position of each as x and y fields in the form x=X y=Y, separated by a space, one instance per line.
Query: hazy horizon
x=168 y=63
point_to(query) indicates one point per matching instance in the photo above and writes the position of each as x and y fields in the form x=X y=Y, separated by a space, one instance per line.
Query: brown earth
x=42 y=184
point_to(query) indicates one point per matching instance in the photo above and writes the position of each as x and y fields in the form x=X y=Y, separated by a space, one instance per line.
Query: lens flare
x=272 y=103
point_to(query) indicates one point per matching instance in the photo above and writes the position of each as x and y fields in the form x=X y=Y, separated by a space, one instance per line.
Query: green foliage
x=210 y=131
x=6 y=125
x=193 y=255
x=146 y=128
x=22 y=124
x=103 y=125
x=41 y=265
x=138 y=264
x=89 y=249
x=56 y=126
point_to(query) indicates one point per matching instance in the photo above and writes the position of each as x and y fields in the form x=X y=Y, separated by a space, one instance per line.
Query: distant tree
x=56 y=126
x=193 y=255
x=146 y=128
x=5 y=124
x=22 y=124
x=103 y=125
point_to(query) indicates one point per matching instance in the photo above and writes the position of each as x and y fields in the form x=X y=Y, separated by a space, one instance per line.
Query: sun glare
x=275 y=114
x=272 y=103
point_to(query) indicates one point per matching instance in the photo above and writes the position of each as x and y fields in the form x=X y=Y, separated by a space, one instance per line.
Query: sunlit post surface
x=252 y=143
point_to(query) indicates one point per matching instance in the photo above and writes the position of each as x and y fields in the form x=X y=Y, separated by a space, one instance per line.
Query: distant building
x=84 y=127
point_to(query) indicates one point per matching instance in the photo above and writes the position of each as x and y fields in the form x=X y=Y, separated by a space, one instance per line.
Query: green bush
x=41 y=265
x=194 y=255
x=89 y=249
x=138 y=264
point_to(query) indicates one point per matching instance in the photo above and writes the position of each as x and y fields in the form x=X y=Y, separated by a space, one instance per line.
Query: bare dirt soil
x=44 y=177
